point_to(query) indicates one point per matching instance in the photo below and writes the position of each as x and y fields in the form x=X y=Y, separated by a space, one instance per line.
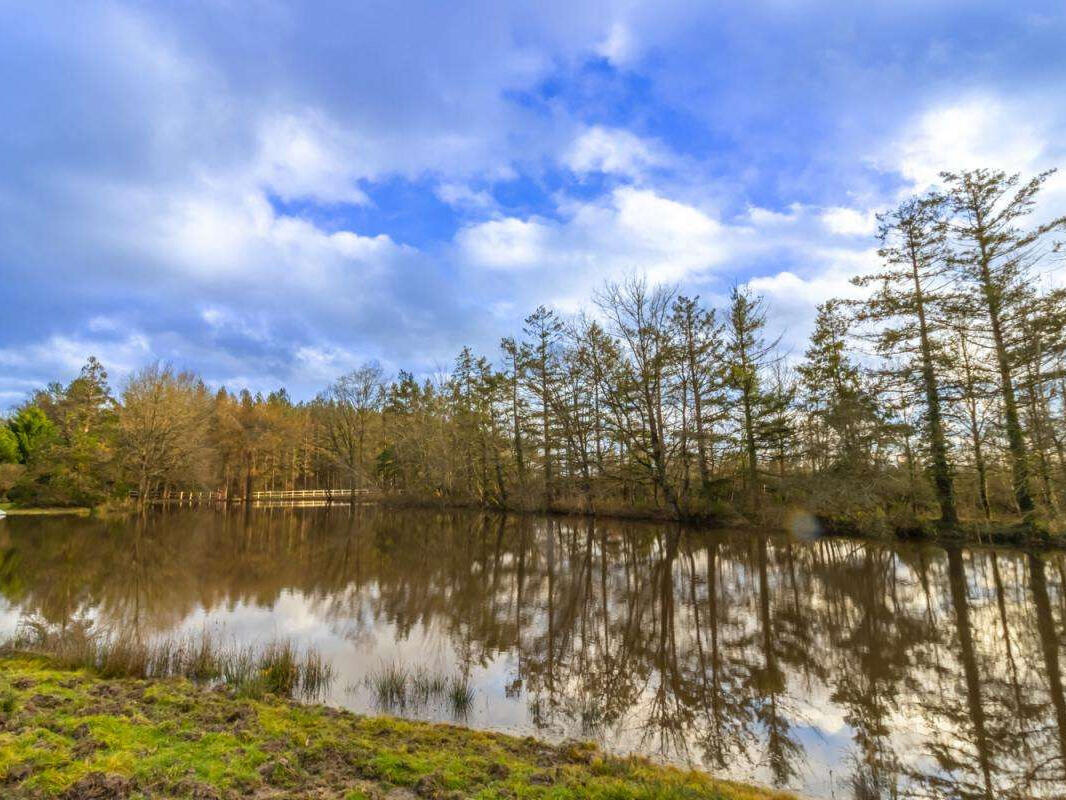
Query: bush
x=9 y=445
x=9 y=477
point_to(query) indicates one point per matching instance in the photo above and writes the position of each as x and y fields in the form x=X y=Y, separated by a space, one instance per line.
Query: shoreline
x=71 y=733
x=970 y=532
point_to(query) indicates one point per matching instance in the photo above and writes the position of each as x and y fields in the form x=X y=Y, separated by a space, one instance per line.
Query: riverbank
x=1033 y=532
x=11 y=510
x=74 y=735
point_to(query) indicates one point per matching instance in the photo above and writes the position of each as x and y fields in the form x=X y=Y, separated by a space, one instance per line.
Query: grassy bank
x=12 y=510
x=73 y=734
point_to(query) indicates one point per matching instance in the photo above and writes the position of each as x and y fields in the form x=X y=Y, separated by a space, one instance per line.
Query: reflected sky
x=834 y=667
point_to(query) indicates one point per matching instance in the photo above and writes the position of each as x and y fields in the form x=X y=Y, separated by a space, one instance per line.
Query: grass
x=72 y=733
x=277 y=668
x=14 y=511
x=397 y=688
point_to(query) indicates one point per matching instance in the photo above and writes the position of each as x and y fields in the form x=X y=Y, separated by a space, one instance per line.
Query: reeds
x=397 y=689
x=279 y=667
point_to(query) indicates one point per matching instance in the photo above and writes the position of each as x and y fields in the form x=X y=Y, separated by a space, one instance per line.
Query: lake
x=829 y=666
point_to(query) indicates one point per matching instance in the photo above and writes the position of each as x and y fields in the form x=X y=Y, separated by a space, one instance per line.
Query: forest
x=937 y=400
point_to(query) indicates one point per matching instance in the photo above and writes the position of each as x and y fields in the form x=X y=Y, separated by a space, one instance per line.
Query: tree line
x=939 y=396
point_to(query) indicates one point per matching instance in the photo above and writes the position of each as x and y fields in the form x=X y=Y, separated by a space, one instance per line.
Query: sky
x=271 y=193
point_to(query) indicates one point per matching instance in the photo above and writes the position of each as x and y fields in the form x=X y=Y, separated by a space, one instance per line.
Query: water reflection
x=836 y=667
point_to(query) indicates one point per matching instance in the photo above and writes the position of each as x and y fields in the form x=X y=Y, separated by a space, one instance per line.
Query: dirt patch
x=17 y=773
x=86 y=747
x=429 y=787
x=99 y=786
x=194 y=790
x=44 y=701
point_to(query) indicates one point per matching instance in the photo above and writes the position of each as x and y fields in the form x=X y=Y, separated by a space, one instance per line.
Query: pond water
x=835 y=667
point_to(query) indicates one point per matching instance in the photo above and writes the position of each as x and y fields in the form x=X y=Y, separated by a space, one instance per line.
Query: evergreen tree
x=543 y=330
x=9 y=446
x=33 y=431
x=833 y=385
x=995 y=258
x=908 y=312
x=748 y=354
x=701 y=355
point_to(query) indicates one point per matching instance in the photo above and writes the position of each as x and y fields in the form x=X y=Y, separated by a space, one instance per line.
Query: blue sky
x=272 y=192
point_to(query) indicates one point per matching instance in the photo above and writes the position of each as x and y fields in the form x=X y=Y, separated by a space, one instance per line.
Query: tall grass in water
x=460 y=696
x=279 y=667
x=397 y=688
x=389 y=683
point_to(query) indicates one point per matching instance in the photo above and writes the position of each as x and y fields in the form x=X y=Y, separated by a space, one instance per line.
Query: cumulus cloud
x=506 y=243
x=849 y=221
x=61 y=357
x=629 y=230
x=794 y=257
x=620 y=152
x=306 y=156
x=982 y=130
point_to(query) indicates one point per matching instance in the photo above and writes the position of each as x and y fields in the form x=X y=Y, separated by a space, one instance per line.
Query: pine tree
x=701 y=355
x=995 y=259
x=908 y=311
x=540 y=354
x=748 y=354
x=833 y=385
x=975 y=388
x=513 y=375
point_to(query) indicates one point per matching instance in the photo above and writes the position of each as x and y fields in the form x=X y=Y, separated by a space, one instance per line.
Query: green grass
x=277 y=668
x=70 y=731
x=15 y=511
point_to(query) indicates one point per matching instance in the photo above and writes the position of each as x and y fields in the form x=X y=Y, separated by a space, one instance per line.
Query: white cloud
x=979 y=131
x=461 y=195
x=796 y=258
x=219 y=235
x=505 y=243
x=628 y=230
x=849 y=221
x=1023 y=134
x=793 y=295
x=616 y=151
x=618 y=46
x=768 y=218
x=306 y=156
x=61 y=357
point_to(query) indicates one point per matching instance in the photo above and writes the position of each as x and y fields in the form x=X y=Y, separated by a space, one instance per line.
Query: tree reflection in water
x=834 y=666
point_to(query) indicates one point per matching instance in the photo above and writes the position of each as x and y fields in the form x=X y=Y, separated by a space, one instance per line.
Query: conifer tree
x=543 y=330
x=701 y=349
x=748 y=354
x=833 y=384
x=995 y=258
x=908 y=312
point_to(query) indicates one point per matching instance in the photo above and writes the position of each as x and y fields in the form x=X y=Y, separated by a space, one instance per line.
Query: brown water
x=816 y=665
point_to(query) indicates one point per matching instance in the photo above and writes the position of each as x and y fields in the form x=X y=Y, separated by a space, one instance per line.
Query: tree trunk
x=942 y=480
x=1015 y=439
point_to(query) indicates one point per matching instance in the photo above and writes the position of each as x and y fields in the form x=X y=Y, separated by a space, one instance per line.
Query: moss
x=71 y=733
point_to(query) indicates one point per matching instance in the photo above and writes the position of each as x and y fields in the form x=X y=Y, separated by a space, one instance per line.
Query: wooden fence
x=273 y=496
